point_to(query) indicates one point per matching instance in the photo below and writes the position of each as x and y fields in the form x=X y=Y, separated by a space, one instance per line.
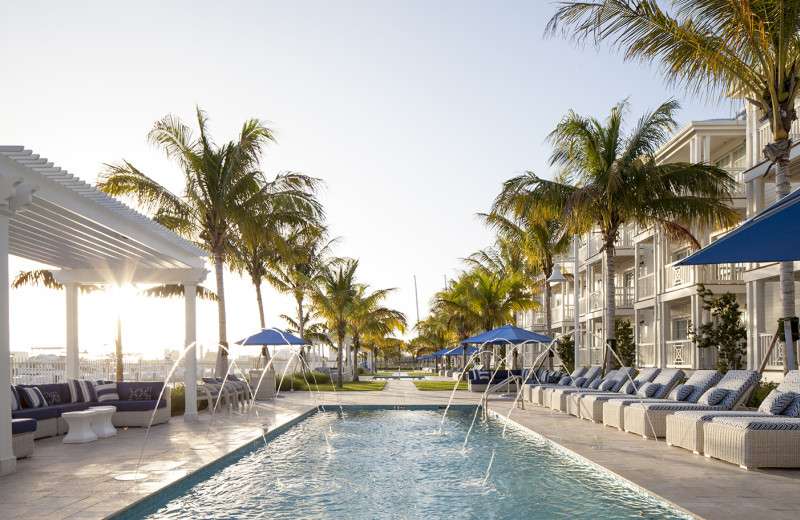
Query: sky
x=413 y=113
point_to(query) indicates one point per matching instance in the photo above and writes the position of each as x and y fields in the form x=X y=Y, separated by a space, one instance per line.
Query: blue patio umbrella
x=272 y=337
x=459 y=351
x=507 y=334
x=773 y=235
x=440 y=353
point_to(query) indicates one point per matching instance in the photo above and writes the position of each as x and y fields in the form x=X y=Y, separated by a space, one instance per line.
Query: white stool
x=80 y=427
x=101 y=422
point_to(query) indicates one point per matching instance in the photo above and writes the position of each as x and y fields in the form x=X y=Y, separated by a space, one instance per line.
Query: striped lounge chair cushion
x=793 y=410
x=713 y=396
x=607 y=386
x=759 y=423
x=32 y=397
x=596 y=384
x=579 y=382
x=15 y=404
x=776 y=402
x=683 y=391
x=648 y=390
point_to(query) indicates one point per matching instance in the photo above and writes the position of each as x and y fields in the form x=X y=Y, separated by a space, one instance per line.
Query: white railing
x=646 y=286
x=581 y=305
x=679 y=275
x=646 y=355
x=563 y=313
x=679 y=353
x=738 y=174
x=595 y=243
x=625 y=238
x=596 y=356
x=775 y=361
x=595 y=301
x=624 y=296
x=725 y=273
x=539 y=318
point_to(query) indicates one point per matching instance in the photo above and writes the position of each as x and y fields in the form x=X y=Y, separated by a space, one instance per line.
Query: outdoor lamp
x=556 y=277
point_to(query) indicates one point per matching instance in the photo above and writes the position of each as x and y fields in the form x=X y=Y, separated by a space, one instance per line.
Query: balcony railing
x=646 y=286
x=775 y=361
x=646 y=355
x=678 y=276
x=625 y=238
x=738 y=173
x=595 y=356
x=624 y=296
x=679 y=353
x=595 y=301
x=725 y=273
x=539 y=318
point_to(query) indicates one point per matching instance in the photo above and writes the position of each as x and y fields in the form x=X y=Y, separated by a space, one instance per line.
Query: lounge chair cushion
x=579 y=382
x=106 y=392
x=630 y=387
x=683 y=391
x=15 y=404
x=759 y=423
x=713 y=396
x=564 y=381
x=596 y=384
x=648 y=389
x=72 y=407
x=22 y=426
x=776 y=402
x=32 y=397
x=607 y=386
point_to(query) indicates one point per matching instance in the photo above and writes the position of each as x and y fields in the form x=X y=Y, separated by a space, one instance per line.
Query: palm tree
x=711 y=48
x=617 y=181
x=369 y=319
x=333 y=301
x=536 y=239
x=222 y=186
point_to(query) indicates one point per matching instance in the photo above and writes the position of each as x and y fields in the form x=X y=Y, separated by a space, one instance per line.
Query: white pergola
x=50 y=216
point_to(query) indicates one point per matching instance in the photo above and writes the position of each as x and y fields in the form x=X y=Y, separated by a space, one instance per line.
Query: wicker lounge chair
x=754 y=442
x=698 y=382
x=612 y=382
x=650 y=419
x=537 y=379
x=685 y=428
x=590 y=406
x=540 y=396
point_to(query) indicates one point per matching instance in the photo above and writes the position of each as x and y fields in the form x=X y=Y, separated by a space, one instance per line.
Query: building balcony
x=563 y=313
x=624 y=297
x=646 y=355
x=679 y=353
x=646 y=287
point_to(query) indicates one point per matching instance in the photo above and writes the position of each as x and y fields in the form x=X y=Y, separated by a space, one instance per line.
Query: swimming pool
x=393 y=464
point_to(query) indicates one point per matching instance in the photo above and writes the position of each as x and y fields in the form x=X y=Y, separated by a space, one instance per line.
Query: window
x=681 y=329
x=738 y=158
x=680 y=255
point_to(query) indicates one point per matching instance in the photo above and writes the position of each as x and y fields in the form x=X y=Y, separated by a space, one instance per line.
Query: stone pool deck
x=79 y=480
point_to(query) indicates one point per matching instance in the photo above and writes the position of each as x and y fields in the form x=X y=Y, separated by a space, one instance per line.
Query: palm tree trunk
x=782 y=188
x=611 y=306
x=339 y=362
x=300 y=327
x=222 y=353
x=257 y=285
x=548 y=316
x=355 y=361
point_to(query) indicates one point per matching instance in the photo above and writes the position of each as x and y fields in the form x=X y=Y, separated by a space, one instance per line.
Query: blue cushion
x=607 y=386
x=596 y=384
x=776 y=402
x=87 y=391
x=135 y=406
x=15 y=404
x=564 y=381
x=683 y=391
x=713 y=396
x=32 y=397
x=579 y=382
x=106 y=392
x=629 y=388
x=126 y=388
x=75 y=395
x=648 y=389
x=72 y=407
x=793 y=410
x=46 y=412
x=22 y=426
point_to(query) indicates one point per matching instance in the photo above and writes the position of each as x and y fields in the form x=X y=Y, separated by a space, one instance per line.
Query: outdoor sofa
x=480 y=380
x=685 y=428
x=689 y=392
x=650 y=419
x=22 y=437
x=135 y=403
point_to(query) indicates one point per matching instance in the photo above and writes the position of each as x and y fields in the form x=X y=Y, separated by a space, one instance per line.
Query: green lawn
x=439 y=385
x=360 y=386
x=402 y=373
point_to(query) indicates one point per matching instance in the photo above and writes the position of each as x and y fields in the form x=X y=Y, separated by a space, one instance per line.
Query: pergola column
x=190 y=373
x=8 y=463
x=73 y=367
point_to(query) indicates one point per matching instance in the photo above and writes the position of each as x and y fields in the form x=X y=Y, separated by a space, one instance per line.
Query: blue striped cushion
x=596 y=384
x=793 y=410
x=776 y=402
x=648 y=389
x=629 y=387
x=564 y=381
x=683 y=391
x=579 y=382
x=713 y=396
x=107 y=392
x=15 y=404
x=607 y=386
x=32 y=397
x=74 y=391
x=759 y=423
x=87 y=391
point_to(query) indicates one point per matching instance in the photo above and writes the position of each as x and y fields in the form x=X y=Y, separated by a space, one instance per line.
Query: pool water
x=392 y=464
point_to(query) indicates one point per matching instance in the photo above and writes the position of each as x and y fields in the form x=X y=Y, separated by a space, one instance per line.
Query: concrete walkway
x=79 y=480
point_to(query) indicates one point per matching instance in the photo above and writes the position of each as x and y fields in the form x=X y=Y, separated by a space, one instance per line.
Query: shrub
x=177 y=397
x=565 y=347
x=763 y=388
x=312 y=377
x=361 y=371
x=626 y=346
